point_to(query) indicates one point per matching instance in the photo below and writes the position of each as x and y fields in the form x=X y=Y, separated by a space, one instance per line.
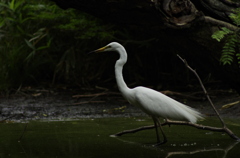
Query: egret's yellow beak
x=99 y=50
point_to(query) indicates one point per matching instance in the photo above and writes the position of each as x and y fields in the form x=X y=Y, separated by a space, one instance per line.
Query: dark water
x=90 y=138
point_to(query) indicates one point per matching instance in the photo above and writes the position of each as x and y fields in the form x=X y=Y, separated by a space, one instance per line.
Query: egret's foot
x=113 y=135
x=160 y=143
x=166 y=121
x=150 y=145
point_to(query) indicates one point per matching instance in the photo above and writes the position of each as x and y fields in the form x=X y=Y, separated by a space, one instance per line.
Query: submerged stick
x=170 y=122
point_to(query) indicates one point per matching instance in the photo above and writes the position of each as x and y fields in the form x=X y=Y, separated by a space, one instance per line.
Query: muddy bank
x=72 y=104
x=59 y=105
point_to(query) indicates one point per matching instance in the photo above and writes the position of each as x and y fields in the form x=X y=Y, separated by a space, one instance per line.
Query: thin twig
x=95 y=95
x=25 y=128
x=88 y=102
x=8 y=118
x=229 y=105
x=204 y=90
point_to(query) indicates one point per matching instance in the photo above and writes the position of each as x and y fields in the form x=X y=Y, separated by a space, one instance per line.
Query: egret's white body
x=148 y=100
x=159 y=105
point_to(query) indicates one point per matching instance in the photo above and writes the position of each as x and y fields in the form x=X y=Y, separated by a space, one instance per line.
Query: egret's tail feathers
x=193 y=114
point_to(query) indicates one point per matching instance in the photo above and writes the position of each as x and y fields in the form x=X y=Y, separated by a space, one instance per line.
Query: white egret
x=148 y=100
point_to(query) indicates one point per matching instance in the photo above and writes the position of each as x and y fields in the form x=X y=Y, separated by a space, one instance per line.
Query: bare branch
x=204 y=90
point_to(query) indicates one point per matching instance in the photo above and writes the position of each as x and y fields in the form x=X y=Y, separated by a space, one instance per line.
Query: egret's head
x=110 y=47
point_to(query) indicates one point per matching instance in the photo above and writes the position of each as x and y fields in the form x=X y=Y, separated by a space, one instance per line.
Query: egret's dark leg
x=157 y=122
x=156 y=128
x=166 y=120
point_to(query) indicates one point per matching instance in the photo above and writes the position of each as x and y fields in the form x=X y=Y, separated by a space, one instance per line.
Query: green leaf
x=17 y=4
x=226 y=30
x=11 y=5
x=42 y=47
x=30 y=44
x=4 y=5
x=2 y=23
x=219 y=35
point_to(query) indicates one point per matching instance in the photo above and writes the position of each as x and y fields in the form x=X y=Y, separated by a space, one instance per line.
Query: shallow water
x=91 y=138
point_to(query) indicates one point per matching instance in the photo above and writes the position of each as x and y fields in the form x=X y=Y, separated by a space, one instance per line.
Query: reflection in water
x=196 y=150
x=90 y=138
x=225 y=150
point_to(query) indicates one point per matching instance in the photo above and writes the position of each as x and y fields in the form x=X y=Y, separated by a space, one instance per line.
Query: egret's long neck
x=118 y=71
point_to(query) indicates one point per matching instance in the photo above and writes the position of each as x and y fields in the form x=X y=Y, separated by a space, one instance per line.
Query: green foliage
x=40 y=40
x=219 y=35
x=236 y=16
x=229 y=50
x=231 y=47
